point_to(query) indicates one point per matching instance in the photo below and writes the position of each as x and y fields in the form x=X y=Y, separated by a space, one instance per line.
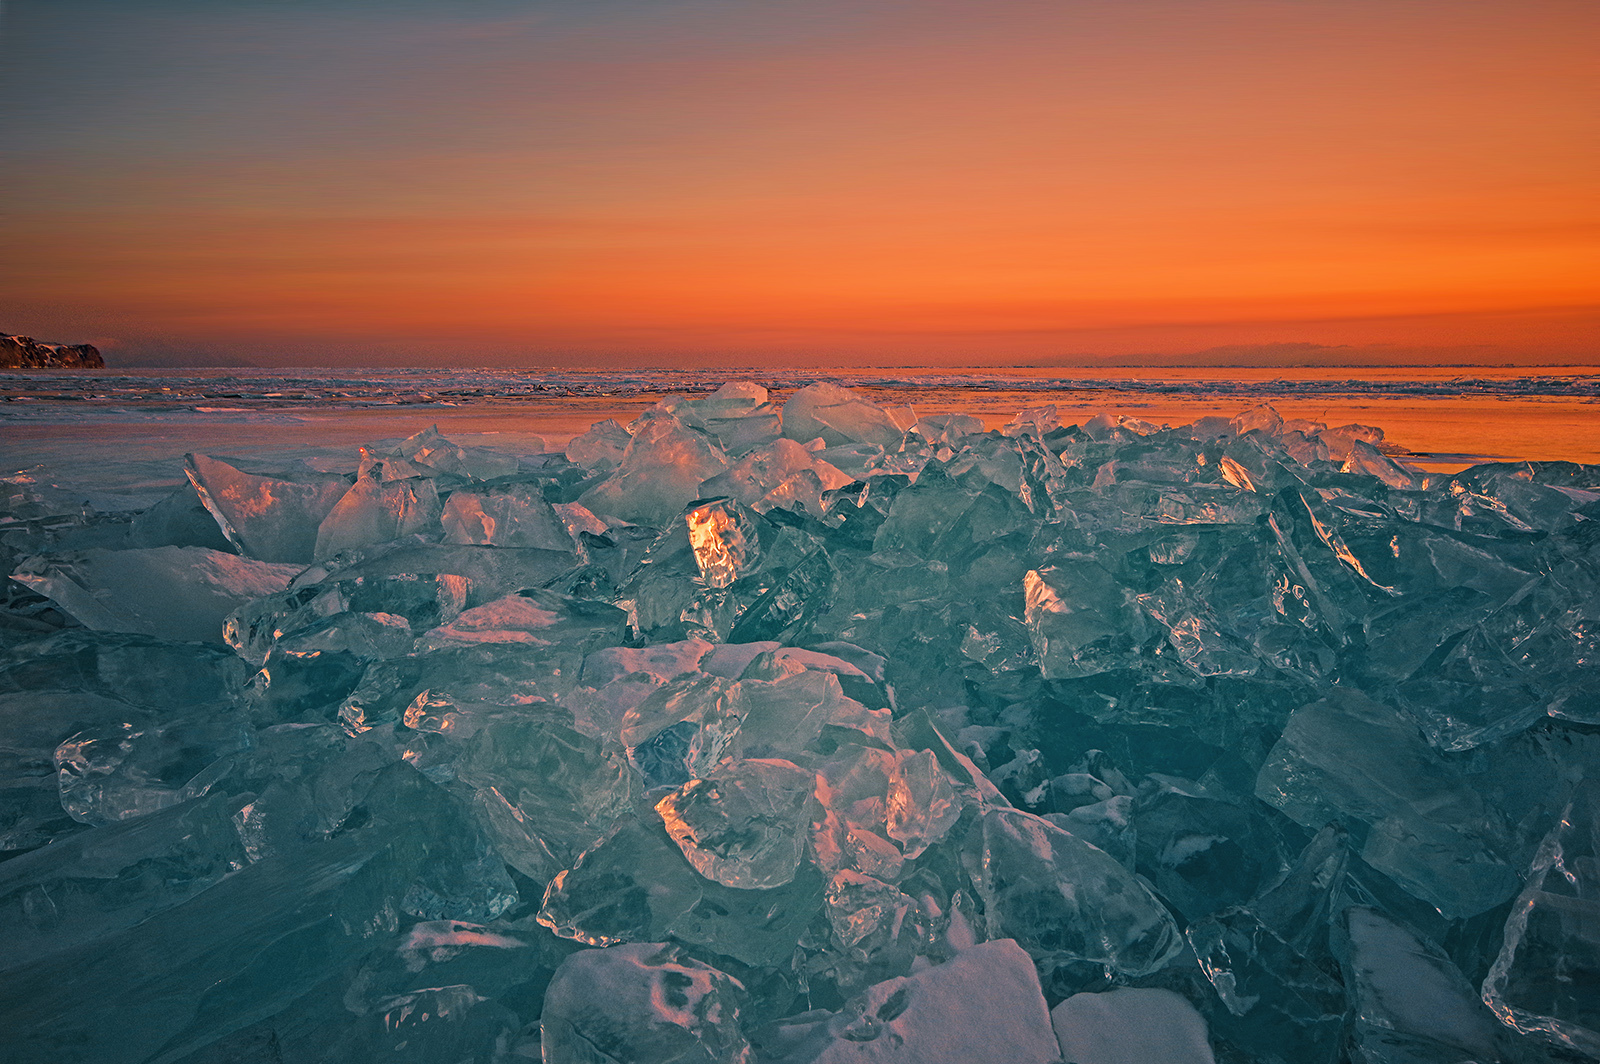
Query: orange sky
x=713 y=180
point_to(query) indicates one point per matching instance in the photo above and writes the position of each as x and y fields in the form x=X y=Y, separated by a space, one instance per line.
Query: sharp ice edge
x=807 y=731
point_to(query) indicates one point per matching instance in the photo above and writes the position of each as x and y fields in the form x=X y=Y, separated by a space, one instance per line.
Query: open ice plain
x=802 y=733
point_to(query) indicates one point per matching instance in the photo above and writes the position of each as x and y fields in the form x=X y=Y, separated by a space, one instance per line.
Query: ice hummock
x=800 y=729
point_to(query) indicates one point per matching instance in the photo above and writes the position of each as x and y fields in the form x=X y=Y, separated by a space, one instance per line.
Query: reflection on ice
x=808 y=731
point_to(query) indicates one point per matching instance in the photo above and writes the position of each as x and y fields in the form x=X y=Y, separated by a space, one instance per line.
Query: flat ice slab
x=1131 y=1026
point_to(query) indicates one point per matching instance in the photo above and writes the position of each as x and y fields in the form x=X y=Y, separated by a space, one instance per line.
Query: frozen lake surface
x=122 y=429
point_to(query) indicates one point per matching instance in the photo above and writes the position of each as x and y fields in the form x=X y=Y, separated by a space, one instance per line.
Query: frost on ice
x=804 y=730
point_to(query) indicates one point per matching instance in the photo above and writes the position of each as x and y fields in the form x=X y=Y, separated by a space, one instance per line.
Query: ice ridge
x=809 y=731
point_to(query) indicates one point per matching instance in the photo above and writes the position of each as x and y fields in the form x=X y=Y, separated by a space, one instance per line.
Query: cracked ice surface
x=810 y=731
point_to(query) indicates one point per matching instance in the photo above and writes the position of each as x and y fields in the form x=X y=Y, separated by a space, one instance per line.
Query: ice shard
x=1411 y=1001
x=661 y=471
x=724 y=542
x=1066 y=900
x=177 y=593
x=1426 y=824
x=431 y=450
x=602 y=447
x=739 y=414
x=636 y=886
x=781 y=474
x=1081 y=620
x=982 y=1004
x=1545 y=980
x=641 y=1002
x=377 y=511
x=744 y=825
x=121 y=771
x=838 y=416
x=516 y=516
x=531 y=618
x=179 y=520
x=271 y=519
x=545 y=791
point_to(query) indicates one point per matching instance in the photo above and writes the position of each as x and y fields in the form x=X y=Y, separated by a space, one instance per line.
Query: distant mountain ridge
x=24 y=352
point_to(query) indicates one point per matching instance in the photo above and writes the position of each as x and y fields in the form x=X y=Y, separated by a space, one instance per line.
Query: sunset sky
x=735 y=181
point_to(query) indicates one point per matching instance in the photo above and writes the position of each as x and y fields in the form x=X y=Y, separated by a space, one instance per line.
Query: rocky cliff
x=24 y=352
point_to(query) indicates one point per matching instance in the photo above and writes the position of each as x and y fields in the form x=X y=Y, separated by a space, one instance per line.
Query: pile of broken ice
x=810 y=733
